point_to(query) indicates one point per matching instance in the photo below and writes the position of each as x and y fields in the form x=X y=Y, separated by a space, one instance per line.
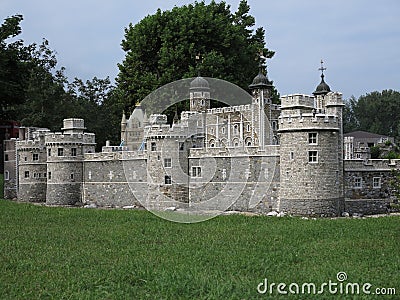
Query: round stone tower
x=65 y=151
x=199 y=95
x=31 y=162
x=311 y=155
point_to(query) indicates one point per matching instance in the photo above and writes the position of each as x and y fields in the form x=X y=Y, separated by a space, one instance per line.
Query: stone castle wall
x=10 y=167
x=32 y=170
x=115 y=179
x=310 y=188
x=65 y=155
x=234 y=180
x=311 y=157
x=370 y=185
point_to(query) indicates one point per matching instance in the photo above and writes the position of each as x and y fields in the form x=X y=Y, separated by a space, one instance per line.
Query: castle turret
x=311 y=160
x=261 y=89
x=322 y=90
x=199 y=95
x=32 y=172
x=123 y=128
x=65 y=152
x=132 y=131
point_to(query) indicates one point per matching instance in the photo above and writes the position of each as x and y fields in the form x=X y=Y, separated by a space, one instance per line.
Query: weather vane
x=322 y=69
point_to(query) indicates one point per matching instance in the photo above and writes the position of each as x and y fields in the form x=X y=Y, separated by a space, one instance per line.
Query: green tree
x=161 y=48
x=91 y=102
x=34 y=92
x=12 y=67
x=379 y=112
x=350 y=122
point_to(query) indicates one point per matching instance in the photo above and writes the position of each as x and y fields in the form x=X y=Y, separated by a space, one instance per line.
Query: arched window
x=235 y=142
x=248 y=142
x=235 y=129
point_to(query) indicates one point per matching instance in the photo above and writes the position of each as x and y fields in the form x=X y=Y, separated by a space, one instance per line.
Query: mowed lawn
x=77 y=253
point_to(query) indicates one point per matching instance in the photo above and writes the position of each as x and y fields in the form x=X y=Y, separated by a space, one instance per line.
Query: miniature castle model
x=287 y=157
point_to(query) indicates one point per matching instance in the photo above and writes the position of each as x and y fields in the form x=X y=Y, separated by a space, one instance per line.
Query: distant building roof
x=365 y=135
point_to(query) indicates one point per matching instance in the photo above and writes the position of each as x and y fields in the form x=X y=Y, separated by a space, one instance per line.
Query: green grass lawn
x=75 y=253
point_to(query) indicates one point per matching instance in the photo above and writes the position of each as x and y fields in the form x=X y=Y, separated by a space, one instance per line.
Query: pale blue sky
x=358 y=40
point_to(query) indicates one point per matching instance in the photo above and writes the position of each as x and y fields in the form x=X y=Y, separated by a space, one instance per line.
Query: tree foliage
x=162 y=48
x=376 y=112
x=35 y=93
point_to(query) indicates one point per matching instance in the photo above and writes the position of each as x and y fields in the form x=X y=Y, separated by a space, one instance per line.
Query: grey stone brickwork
x=235 y=179
x=10 y=169
x=311 y=158
x=256 y=157
x=114 y=179
x=32 y=171
x=370 y=185
x=65 y=154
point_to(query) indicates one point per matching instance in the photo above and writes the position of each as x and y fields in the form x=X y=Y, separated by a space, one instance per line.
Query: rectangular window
x=312 y=156
x=35 y=156
x=49 y=175
x=167 y=163
x=196 y=171
x=358 y=182
x=44 y=175
x=167 y=179
x=5 y=157
x=73 y=151
x=26 y=174
x=71 y=176
x=60 y=151
x=181 y=146
x=49 y=152
x=291 y=155
x=153 y=146
x=313 y=138
x=6 y=175
x=376 y=182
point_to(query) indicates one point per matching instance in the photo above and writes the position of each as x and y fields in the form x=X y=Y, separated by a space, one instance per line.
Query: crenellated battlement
x=371 y=164
x=37 y=143
x=297 y=100
x=308 y=121
x=333 y=99
x=29 y=145
x=57 y=138
x=269 y=150
x=165 y=131
x=124 y=155
x=229 y=109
